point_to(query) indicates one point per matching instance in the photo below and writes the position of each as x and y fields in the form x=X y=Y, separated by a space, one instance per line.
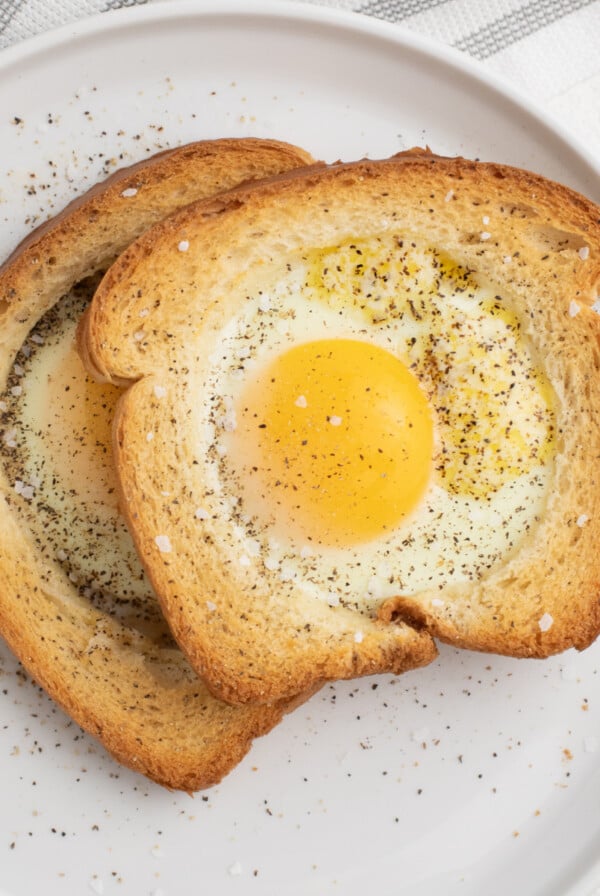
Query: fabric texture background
x=548 y=49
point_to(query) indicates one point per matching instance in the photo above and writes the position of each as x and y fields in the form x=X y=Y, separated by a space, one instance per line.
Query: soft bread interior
x=160 y=312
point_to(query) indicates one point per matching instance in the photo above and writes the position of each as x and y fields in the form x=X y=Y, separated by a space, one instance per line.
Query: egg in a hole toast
x=361 y=413
x=75 y=606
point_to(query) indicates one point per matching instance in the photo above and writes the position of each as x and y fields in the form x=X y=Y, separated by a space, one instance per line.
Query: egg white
x=393 y=293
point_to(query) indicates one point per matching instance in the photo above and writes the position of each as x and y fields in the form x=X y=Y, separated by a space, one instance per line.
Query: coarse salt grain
x=183 y=246
x=9 y=438
x=139 y=335
x=163 y=543
x=333 y=599
x=596 y=305
x=271 y=563
x=507 y=259
x=149 y=436
x=16 y=391
x=358 y=637
x=244 y=560
x=449 y=195
x=35 y=337
x=129 y=192
x=574 y=309
x=3 y=407
x=437 y=602
x=210 y=606
x=201 y=513
x=301 y=402
x=546 y=622
x=584 y=252
x=159 y=391
x=144 y=312
x=582 y=520
x=485 y=220
x=18 y=370
x=61 y=555
x=485 y=235
x=335 y=421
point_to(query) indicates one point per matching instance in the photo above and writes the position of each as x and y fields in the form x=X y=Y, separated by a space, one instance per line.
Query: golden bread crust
x=248 y=644
x=141 y=700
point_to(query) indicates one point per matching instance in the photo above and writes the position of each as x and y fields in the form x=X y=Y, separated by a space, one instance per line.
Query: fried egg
x=375 y=422
x=55 y=446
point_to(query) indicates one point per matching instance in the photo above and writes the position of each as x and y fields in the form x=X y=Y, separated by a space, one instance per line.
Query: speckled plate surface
x=475 y=775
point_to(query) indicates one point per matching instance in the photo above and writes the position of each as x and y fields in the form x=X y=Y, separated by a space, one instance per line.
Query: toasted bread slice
x=74 y=604
x=277 y=567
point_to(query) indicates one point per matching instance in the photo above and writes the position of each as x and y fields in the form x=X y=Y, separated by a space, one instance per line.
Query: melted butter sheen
x=491 y=405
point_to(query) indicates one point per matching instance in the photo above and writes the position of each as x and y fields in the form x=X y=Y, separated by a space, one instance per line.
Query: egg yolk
x=338 y=436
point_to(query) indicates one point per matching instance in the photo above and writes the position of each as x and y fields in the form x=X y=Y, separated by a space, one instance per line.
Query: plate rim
x=357 y=23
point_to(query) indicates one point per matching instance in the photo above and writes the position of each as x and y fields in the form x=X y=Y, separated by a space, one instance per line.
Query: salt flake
x=335 y=421
x=546 y=622
x=163 y=543
x=301 y=402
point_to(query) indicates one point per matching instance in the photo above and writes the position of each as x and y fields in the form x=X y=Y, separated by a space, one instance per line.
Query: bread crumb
x=574 y=309
x=163 y=543
x=546 y=622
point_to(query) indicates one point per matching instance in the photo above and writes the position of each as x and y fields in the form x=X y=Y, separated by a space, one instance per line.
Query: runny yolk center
x=334 y=440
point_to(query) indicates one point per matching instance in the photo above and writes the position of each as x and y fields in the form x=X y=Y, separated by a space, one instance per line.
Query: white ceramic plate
x=475 y=775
